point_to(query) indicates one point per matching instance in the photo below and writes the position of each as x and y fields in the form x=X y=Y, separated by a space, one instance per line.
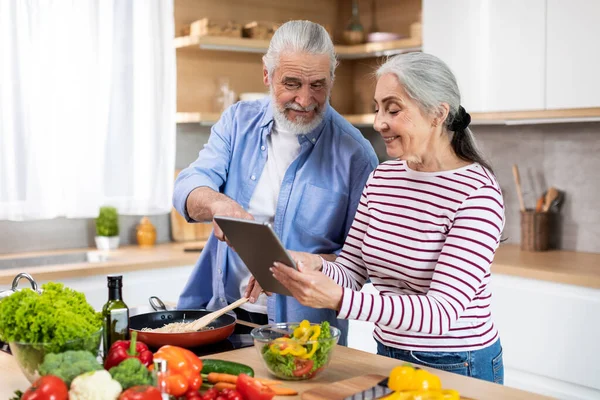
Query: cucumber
x=225 y=367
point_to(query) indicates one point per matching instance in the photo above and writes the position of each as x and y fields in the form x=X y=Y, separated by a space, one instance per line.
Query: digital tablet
x=259 y=247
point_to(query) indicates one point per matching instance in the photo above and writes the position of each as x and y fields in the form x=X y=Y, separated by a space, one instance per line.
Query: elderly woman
x=425 y=232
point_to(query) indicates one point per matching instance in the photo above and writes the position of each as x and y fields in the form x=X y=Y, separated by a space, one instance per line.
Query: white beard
x=298 y=127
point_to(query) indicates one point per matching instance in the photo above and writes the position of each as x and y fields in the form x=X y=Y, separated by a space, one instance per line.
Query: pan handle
x=157 y=304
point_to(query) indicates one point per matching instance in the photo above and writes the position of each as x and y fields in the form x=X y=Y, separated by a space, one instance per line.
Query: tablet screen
x=259 y=247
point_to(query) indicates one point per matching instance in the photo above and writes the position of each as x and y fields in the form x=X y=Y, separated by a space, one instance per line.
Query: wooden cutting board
x=183 y=231
x=342 y=389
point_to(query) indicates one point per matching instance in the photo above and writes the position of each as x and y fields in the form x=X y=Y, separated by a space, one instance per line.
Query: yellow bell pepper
x=424 y=395
x=285 y=346
x=405 y=378
x=305 y=332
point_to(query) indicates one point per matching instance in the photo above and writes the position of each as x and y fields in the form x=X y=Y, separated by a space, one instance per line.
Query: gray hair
x=299 y=37
x=430 y=82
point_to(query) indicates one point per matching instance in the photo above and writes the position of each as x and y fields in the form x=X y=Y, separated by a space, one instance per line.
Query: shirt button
x=262 y=148
x=253 y=177
x=220 y=271
x=222 y=300
x=314 y=140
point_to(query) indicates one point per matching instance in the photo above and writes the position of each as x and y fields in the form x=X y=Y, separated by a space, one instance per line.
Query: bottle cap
x=160 y=365
x=115 y=281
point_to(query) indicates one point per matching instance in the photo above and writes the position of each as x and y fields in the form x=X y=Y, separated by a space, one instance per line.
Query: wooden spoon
x=518 y=185
x=551 y=195
x=208 y=318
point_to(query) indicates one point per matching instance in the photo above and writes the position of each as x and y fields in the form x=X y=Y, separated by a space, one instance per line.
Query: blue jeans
x=483 y=364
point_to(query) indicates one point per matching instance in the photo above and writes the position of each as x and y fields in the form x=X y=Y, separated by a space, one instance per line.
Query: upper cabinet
x=494 y=47
x=573 y=54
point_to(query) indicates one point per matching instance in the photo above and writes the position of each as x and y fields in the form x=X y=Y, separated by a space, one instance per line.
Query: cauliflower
x=96 y=385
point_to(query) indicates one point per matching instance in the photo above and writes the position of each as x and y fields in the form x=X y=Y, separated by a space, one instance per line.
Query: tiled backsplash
x=562 y=155
x=566 y=156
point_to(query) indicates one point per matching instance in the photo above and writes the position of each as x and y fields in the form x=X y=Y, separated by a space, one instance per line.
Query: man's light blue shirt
x=315 y=209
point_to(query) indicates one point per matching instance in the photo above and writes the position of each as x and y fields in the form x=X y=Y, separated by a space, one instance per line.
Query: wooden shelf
x=208 y=119
x=205 y=119
x=496 y=118
x=367 y=50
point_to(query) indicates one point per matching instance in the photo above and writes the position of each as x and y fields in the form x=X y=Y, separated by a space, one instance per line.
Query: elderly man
x=289 y=159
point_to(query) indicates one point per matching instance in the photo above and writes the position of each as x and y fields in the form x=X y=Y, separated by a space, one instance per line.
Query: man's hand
x=227 y=208
x=254 y=290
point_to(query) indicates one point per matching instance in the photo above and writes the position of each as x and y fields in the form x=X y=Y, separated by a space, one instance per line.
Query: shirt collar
x=311 y=137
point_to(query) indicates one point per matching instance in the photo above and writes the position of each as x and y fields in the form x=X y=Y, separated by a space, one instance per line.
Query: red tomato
x=221 y=397
x=234 y=395
x=192 y=395
x=251 y=389
x=142 y=392
x=48 y=387
x=210 y=394
x=303 y=367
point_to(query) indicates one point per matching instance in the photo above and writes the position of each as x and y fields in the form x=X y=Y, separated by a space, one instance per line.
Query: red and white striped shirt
x=426 y=240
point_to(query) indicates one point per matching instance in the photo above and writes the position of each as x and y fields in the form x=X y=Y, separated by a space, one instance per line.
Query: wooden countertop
x=346 y=363
x=569 y=267
x=124 y=259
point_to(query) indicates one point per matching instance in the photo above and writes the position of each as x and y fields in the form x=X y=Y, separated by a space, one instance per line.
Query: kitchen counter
x=124 y=259
x=569 y=267
x=560 y=266
x=346 y=363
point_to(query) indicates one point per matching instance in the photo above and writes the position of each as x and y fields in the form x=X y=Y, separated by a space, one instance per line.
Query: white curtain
x=87 y=107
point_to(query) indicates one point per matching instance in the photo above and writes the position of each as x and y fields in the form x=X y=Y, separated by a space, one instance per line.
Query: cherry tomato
x=48 y=387
x=192 y=395
x=303 y=367
x=210 y=394
x=251 y=389
x=142 y=392
x=221 y=397
x=233 y=395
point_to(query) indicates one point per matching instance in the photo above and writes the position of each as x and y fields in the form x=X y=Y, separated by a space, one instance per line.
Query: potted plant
x=107 y=229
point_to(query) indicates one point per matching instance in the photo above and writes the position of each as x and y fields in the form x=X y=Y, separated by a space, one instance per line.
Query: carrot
x=268 y=382
x=215 y=377
x=283 y=391
x=224 y=385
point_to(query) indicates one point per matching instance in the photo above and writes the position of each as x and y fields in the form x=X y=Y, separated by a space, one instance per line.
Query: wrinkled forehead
x=303 y=66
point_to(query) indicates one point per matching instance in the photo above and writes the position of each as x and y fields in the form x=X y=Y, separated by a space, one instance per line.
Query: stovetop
x=233 y=342
x=239 y=339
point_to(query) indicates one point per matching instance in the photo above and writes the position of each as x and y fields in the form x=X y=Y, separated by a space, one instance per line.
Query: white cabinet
x=138 y=286
x=573 y=55
x=496 y=49
x=549 y=334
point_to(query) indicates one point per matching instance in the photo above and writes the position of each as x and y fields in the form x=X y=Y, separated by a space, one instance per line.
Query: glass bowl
x=29 y=356
x=288 y=358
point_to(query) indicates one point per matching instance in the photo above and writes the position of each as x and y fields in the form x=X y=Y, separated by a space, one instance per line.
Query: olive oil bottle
x=115 y=313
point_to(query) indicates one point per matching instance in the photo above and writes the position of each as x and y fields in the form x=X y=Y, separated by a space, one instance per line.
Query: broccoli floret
x=131 y=372
x=69 y=364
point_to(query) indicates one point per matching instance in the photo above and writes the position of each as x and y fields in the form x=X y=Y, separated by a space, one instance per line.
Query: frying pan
x=223 y=327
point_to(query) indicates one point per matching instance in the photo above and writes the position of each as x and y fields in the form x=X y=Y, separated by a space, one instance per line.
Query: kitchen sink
x=52 y=259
